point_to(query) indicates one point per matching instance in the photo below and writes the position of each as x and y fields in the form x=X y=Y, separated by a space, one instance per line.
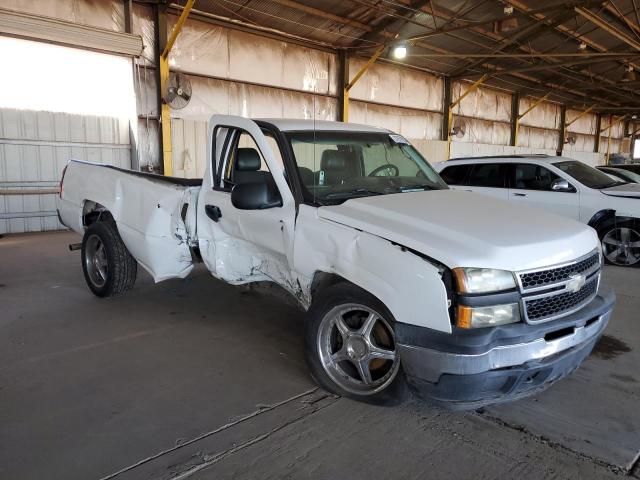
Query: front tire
x=109 y=269
x=350 y=346
x=621 y=244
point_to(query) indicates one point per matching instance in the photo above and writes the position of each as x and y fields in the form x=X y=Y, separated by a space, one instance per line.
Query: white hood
x=628 y=190
x=463 y=229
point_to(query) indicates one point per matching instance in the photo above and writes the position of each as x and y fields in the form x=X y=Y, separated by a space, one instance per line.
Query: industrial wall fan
x=459 y=129
x=178 y=92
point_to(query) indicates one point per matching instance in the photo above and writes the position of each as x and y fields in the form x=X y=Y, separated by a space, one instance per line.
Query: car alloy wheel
x=357 y=349
x=96 y=261
x=621 y=246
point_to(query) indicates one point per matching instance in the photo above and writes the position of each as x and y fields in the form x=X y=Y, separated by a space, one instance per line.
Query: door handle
x=213 y=212
x=519 y=194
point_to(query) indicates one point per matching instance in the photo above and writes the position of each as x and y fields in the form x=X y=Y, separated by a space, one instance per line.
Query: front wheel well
x=322 y=280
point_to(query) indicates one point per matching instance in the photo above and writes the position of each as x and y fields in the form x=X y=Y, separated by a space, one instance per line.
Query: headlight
x=483 y=280
x=478 y=317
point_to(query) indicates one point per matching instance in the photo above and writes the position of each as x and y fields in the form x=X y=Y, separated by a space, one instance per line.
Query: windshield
x=336 y=166
x=586 y=175
x=624 y=174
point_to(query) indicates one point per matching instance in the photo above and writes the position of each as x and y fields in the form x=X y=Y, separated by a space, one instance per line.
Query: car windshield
x=587 y=175
x=625 y=174
x=337 y=166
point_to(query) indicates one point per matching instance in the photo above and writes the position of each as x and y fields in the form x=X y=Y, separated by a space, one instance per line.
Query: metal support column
x=562 y=132
x=522 y=115
x=446 y=108
x=163 y=63
x=515 y=111
x=596 y=146
x=343 y=79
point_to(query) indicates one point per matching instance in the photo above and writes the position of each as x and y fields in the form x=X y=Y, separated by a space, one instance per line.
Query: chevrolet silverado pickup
x=466 y=299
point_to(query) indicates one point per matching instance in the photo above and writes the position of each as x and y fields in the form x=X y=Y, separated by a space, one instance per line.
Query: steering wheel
x=381 y=168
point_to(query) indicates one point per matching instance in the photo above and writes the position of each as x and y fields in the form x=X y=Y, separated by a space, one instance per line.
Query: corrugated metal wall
x=35 y=147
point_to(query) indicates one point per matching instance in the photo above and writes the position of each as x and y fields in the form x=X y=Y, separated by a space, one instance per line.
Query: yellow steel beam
x=474 y=86
x=522 y=115
x=165 y=114
x=349 y=86
x=580 y=115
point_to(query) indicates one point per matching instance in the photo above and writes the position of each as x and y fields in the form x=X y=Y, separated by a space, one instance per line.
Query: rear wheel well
x=93 y=212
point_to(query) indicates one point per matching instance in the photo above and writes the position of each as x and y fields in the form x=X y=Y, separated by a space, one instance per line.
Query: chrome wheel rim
x=621 y=246
x=95 y=260
x=357 y=349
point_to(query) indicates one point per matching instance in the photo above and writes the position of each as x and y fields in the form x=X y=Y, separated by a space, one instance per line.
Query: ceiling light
x=634 y=116
x=582 y=46
x=508 y=9
x=400 y=51
x=629 y=75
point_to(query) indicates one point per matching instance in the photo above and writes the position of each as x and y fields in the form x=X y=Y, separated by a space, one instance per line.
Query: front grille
x=539 y=309
x=550 y=276
x=548 y=293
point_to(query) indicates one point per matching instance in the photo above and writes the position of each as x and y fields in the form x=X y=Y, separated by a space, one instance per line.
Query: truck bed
x=155 y=215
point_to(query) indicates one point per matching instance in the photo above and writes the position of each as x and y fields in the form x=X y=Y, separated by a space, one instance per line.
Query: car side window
x=455 y=174
x=245 y=163
x=490 y=175
x=528 y=176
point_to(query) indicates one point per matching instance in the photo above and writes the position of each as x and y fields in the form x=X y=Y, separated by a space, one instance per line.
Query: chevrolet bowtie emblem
x=576 y=282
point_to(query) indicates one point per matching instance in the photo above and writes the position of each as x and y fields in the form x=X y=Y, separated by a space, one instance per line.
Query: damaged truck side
x=465 y=299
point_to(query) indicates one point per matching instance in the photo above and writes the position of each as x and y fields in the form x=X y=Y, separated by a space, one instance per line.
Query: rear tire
x=350 y=346
x=109 y=269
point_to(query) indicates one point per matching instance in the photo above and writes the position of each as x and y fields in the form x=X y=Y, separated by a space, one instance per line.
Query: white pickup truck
x=466 y=299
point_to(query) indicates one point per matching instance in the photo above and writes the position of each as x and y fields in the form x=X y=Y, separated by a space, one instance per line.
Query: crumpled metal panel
x=586 y=124
x=484 y=103
x=384 y=83
x=544 y=115
x=107 y=14
x=413 y=124
x=221 y=52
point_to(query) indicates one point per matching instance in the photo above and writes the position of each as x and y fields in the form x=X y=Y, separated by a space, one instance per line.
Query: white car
x=560 y=185
x=402 y=278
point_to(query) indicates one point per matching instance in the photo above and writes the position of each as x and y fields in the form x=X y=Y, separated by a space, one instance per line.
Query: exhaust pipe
x=75 y=246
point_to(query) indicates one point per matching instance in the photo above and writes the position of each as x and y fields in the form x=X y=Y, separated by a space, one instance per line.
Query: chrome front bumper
x=467 y=371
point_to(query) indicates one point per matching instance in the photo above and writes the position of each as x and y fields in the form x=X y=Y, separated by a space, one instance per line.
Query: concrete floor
x=199 y=379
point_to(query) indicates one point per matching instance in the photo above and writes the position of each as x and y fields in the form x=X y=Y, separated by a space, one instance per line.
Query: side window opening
x=455 y=174
x=245 y=163
x=529 y=176
x=490 y=175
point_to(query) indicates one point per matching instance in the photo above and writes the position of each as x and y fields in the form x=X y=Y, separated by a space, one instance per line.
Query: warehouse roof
x=579 y=52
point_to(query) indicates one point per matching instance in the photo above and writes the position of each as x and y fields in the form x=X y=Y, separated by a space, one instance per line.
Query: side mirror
x=561 y=185
x=255 y=196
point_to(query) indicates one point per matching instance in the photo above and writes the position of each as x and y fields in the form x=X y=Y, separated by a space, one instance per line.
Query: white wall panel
x=586 y=124
x=35 y=147
x=413 y=124
x=384 y=83
x=483 y=103
x=231 y=54
x=544 y=115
